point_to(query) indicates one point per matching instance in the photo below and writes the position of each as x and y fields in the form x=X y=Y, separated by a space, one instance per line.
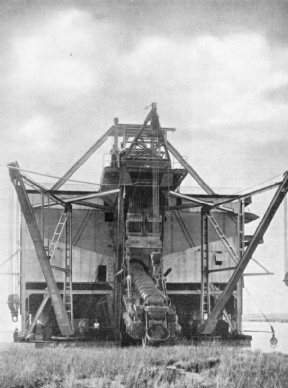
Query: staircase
x=223 y=238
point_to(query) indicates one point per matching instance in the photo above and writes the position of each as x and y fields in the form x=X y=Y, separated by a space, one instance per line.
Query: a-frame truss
x=150 y=144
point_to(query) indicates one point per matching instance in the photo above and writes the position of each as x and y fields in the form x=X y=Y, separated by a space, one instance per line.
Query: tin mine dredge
x=144 y=261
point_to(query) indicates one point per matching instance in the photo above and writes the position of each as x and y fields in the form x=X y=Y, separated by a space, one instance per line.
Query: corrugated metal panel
x=85 y=265
x=186 y=264
x=192 y=222
x=89 y=230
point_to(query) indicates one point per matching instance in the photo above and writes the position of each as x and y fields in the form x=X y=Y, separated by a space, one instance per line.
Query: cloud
x=58 y=56
x=219 y=80
x=72 y=56
x=39 y=132
x=75 y=71
x=278 y=95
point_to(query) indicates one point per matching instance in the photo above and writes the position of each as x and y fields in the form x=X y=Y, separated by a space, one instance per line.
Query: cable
x=48 y=176
x=140 y=110
x=273 y=340
x=257 y=306
x=69 y=180
x=248 y=188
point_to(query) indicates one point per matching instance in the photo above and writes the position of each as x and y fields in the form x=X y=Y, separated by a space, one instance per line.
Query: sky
x=216 y=68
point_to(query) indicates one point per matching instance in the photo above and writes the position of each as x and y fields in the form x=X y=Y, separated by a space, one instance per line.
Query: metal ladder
x=56 y=236
x=68 y=291
x=223 y=238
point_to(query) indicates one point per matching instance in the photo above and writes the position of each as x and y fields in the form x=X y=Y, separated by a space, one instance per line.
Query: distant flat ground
x=6 y=336
x=271 y=317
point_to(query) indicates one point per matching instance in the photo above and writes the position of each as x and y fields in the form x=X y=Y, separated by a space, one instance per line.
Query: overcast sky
x=217 y=70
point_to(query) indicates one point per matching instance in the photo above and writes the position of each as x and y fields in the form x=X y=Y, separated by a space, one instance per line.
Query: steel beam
x=37 y=315
x=10 y=273
x=78 y=199
x=156 y=143
x=200 y=202
x=23 y=290
x=59 y=308
x=30 y=291
x=222 y=269
x=191 y=199
x=43 y=190
x=60 y=269
x=80 y=203
x=101 y=194
x=240 y=252
x=190 y=170
x=184 y=206
x=226 y=315
x=119 y=254
x=247 y=195
x=94 y=206
x=192 y=292
x=82 y=160
x=286 y=236
x=211 y=322
x=205 y=286
x=131 y=130
x=258 y=273
x=9 y=258
x=184 y=229
x=134 y=142
x=262 y=266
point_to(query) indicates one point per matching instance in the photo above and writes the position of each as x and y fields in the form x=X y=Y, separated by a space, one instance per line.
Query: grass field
x=24 y=366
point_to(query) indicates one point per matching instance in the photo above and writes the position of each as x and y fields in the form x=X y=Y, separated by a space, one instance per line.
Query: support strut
x=211 y=322
x=59 y=308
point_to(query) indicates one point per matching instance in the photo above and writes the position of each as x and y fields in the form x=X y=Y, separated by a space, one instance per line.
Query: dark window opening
x=134 y=227
x=109 y=216
x=218 y=258
x=102 y=273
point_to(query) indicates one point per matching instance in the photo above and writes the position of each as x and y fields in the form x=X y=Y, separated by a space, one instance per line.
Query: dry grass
x=25 y=366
